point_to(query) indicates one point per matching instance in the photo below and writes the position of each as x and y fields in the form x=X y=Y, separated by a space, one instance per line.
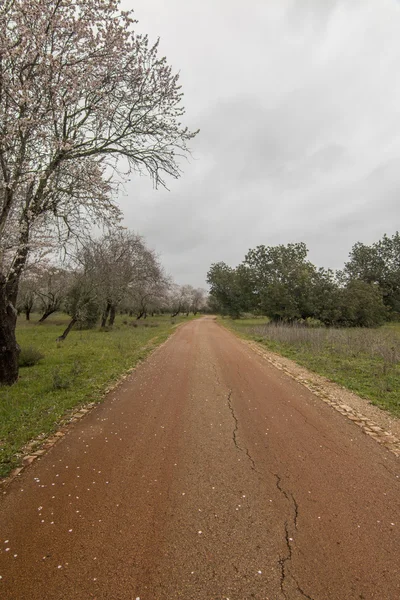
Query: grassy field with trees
x=344 y=324
x=117 y=304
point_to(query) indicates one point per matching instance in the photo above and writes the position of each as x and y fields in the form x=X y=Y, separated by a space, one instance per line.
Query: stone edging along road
x=378 y=424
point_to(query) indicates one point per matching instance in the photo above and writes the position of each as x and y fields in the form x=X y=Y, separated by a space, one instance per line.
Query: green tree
x=325 y=292
x=225 y=289
x=281 y=278
x=378 y=264
x=361 y=305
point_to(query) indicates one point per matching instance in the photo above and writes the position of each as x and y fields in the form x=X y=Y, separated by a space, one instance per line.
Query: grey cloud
x=298 y=108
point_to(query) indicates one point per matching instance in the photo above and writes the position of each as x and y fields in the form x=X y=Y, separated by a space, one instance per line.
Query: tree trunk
x=66 y=332
x=140 y=315
x=105 y=315
x=9 y=349
x=112 y=316
x=28 y=313
x=175 y=313
x=46 y=314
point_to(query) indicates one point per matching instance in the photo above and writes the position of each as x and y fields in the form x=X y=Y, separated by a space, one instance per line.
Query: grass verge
x=71 y=373
x=366 y=361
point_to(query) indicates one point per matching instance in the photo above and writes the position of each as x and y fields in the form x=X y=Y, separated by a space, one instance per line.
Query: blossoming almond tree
x=78 y=91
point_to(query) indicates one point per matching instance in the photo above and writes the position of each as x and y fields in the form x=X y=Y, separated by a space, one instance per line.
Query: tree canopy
x=281 y=283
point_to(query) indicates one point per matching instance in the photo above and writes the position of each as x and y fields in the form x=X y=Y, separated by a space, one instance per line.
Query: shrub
x=60 y=381
x=29 y=356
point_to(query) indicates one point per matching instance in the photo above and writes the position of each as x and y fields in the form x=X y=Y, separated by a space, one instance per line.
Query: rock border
x=338 y=397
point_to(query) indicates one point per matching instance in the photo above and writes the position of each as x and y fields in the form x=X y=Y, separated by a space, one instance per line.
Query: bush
x=29 y=356
x=60 y=381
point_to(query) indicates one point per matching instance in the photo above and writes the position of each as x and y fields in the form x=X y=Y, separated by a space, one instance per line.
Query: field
x=365 y=361
x=71 y=373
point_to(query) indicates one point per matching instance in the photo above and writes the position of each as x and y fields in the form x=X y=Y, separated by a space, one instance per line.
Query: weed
x=29 y=356
x=76 y=368
x=60 y=381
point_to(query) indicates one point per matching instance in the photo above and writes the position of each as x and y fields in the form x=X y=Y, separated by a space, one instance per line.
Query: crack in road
x=302 y=592
x=289 y=497
x=236 y=421
x=283 y=560
x=234 y=433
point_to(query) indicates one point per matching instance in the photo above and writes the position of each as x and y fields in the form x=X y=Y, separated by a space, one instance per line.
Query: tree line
x=282 y=284
x=114 y=273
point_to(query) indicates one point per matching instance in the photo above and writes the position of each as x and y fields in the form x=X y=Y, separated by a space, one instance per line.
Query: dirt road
x=208 y=475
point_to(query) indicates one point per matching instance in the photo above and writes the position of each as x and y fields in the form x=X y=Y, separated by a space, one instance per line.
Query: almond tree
x=78 y=90
x=82 y=302
x=27 y=295
x=148 y=293
x=116 y=268
x=51 y=290
x=179 y=299
x=198 y=300
x=120 y=264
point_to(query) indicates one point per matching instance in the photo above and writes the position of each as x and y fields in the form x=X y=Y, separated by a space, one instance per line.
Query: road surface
x=207 y=475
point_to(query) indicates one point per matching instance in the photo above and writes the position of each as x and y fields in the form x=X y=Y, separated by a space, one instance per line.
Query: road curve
x=207 y=475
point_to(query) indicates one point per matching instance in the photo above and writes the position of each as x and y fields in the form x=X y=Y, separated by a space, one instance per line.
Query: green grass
x=365 y=361
x=74 y=372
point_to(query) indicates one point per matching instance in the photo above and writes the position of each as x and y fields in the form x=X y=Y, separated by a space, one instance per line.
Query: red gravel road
x=207 y=475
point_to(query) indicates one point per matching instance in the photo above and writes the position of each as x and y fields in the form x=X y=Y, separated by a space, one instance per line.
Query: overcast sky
x=298 y=102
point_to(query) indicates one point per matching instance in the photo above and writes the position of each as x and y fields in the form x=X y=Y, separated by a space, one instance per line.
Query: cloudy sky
x=298 y=102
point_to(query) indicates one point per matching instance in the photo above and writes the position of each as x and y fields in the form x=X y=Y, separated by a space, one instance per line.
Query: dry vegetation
x=382 y=344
